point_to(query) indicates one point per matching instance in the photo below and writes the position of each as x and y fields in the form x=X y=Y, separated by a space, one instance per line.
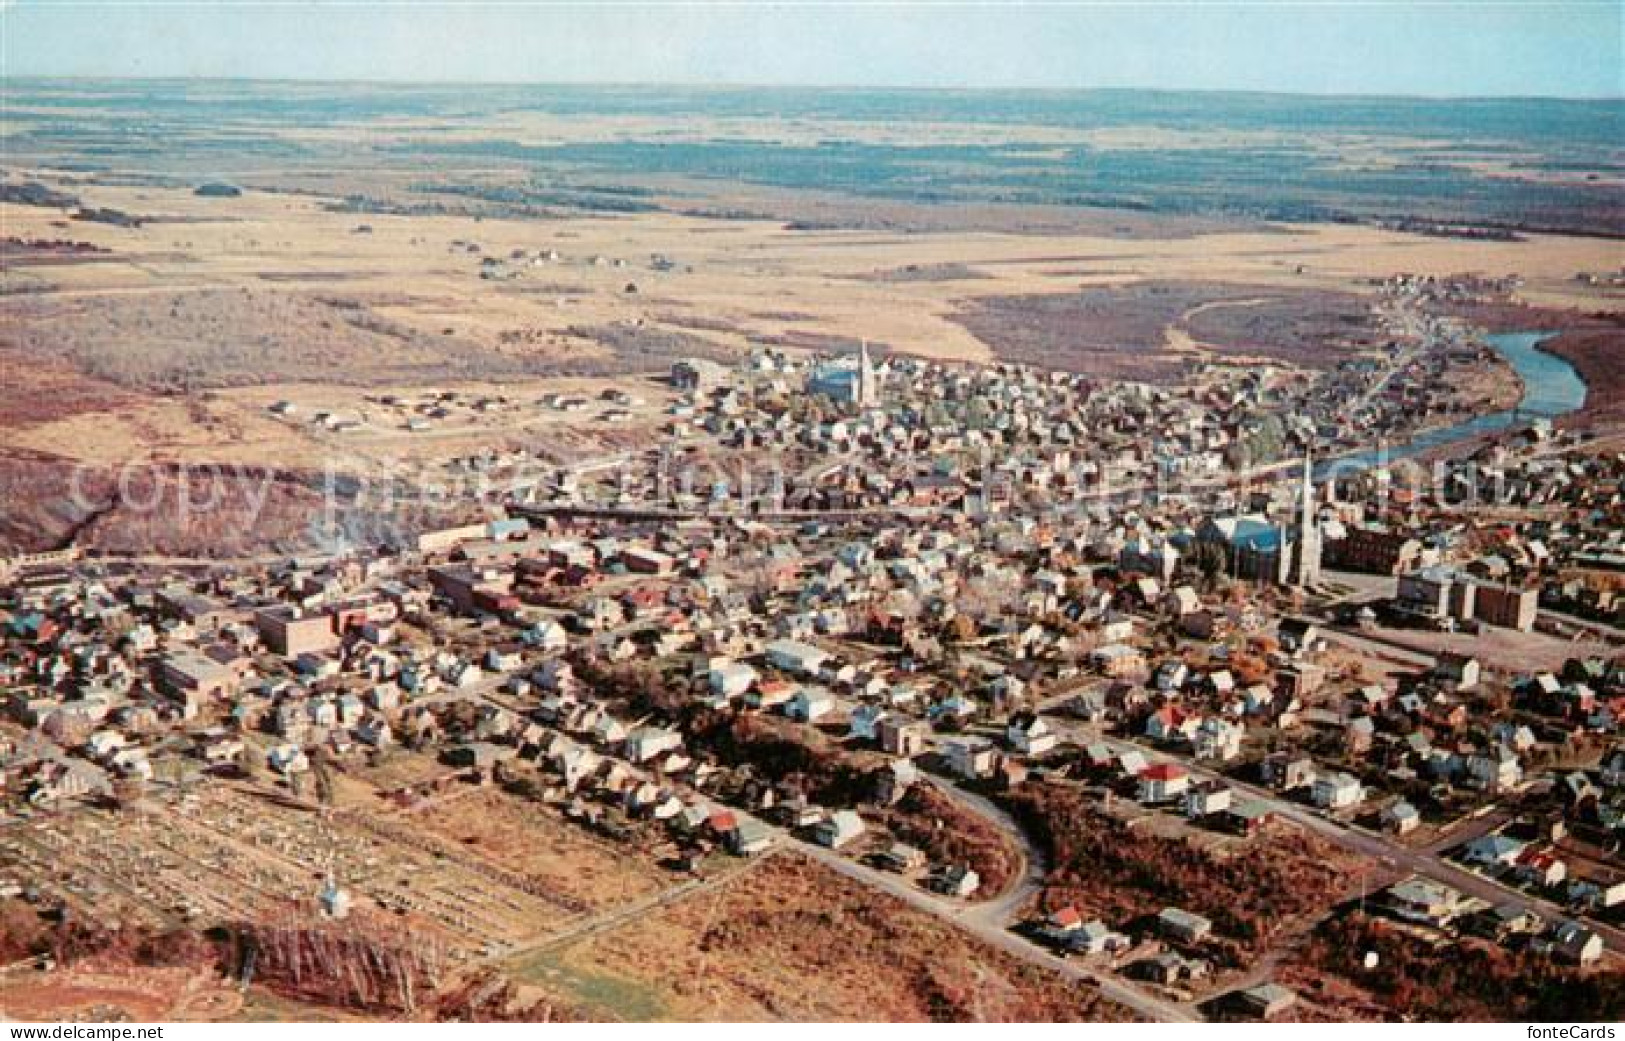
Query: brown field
x=1148 y=330
x=1123 y=864
x=1598 y=355
x=105 y=990
x=169 y=344
x=238 y=854
x=271 y=287
x=540 y=845
x=1419 y=976
x=1591 y=340
x=793 y=941
x=1507 y=650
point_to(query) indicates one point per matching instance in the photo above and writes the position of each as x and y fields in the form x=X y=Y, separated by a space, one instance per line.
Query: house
x=731 y=679
x=1424 y=900
x=287 y=759
x=1093 y=938
x=1169 y=968
x=1182 y=601
x=1060 y=922
x=901 y=857
x=1570 y=942
x=480 y=755
x=1494 y=851
x=1217 y=739
x=375 y=733
x=1401 y=818
x=1285 y=771
x=1358 y=735
x=1029 y=734
x=956 y=710
x=503 y=659
x=1170 y=723
x=1508 y=920
x=720 y=823
x=1337 y=791
x=1171 y=675
x=809 y=706
x=1496 y=770
x=892 y=783
x=1267 y=1000
x=1130 y=762
x=903 y=737
x=954 y=880
x=1118 y=659
x=546 y=635
x=1207 y=798
x=647 y=742
x=1460 y=671
x=838 y=829
x=864 y=722
x=969 y=757
x=1540 y=867
x=796 y=658
x=748 y=838
x=1162 y=782
x=1297 y=636
x=1182 y=925
x=1246 y=818
x=770 y=694
x=334 y=902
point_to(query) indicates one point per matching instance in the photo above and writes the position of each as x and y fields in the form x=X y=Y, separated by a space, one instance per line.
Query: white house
x=793 y=656
x=1163 y=782
x=809 y=706
x=645 y=743
x=838 y=829
x=731 y=678
x=1337 y=791
x=1029 y=734
x=969 y=757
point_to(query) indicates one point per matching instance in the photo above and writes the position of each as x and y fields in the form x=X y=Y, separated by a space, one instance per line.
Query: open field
x=171 y=346
x=231 y=854
x=537 y=844
x=794 y=941
x=1591 y=337
x=1123 y=864
x=1507 y=649
x=270 y=290
x=1072 y=157
x=512 y=242
x=105 y=991
x=1421 y=975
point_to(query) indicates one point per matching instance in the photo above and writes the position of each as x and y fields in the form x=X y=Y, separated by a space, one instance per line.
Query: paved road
x=988 y=923
x=1378 y=648
x=1371 y=844
x=1110 y=986
x=624 y=913
x=1000 y=909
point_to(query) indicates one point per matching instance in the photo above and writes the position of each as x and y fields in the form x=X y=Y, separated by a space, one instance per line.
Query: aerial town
x=1121 y=680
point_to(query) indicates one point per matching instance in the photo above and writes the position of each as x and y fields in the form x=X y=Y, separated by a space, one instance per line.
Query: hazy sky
x=1482 y=47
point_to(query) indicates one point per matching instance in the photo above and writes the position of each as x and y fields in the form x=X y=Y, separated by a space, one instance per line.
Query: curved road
x=1001 y=909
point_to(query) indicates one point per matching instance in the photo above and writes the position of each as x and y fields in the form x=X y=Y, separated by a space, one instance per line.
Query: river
x=1551 y=388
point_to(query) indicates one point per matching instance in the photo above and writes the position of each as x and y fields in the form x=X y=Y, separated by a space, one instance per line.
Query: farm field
x=745 y=952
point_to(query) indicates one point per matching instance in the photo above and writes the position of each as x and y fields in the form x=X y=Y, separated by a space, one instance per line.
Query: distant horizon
x=901 y=88
x=1437 y=49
